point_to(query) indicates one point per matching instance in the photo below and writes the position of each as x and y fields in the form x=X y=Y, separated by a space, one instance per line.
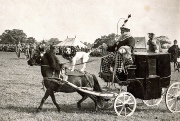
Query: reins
x=88 y=61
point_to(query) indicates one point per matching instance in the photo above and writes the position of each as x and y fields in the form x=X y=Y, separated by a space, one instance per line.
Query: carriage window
x=152 y=66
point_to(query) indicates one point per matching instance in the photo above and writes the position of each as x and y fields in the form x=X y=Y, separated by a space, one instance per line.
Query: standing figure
x=154 y=46
x=18 y=49
x=174 y=50
x=42 y=47
x=27 y=51
x=32 y=49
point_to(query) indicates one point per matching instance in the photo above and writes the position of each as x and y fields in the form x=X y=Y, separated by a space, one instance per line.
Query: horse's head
x=36 y=58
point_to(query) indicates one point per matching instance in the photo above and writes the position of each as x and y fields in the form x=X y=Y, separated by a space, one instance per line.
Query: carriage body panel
x=152 y=73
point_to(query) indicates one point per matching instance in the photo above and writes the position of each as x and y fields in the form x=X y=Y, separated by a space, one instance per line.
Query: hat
x=124 y=27
x=151 y=33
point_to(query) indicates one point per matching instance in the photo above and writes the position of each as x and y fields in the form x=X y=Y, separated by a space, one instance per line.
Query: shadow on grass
x=21 y=58
x=65 y=108
x=72 y=108
x=14 y=82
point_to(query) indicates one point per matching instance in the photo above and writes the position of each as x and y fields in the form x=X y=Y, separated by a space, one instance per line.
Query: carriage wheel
x=125 y=104
x=154 y=102
x=173 y=97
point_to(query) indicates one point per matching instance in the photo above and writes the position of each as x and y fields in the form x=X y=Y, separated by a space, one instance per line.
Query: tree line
x=111 y=39
x=15 y=36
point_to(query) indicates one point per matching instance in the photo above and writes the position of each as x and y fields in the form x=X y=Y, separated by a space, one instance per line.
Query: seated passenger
x=125 y=44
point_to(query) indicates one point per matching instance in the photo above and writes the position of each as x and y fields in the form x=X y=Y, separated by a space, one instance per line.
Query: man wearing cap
x=154 y=46
x=174 y=51
x=125 y=40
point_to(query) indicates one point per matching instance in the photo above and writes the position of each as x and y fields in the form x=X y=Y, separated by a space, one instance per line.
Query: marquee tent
x=72 y=42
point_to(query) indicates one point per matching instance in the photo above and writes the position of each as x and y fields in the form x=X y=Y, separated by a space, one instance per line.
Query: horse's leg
x=84 y=97
x=54 y=101
x=95 y=101
x=46 y=95
x=30 y=53
x=174 y=66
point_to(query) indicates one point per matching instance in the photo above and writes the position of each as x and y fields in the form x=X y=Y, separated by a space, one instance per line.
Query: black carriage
x=148 y=79
x=153 y=73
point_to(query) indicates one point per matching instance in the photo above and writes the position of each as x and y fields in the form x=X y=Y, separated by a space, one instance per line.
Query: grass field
x=21 y=93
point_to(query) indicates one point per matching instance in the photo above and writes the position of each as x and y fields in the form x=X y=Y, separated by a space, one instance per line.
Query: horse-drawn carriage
x=146 y=80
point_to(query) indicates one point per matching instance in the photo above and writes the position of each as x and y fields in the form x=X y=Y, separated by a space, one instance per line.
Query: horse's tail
x=96 y=84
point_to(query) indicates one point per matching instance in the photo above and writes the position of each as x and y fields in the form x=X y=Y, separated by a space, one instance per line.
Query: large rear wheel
x=125 y=104
x=173 y=97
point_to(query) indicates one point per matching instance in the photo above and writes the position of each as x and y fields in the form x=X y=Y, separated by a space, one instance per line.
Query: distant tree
x=53 y=41
x=13 y=36
x=110 y=39
x=163 y=40
x=89 y=45
x=31 y=40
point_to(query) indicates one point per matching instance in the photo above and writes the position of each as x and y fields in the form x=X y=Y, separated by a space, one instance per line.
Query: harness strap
x=114 y=71
x=46 y=65
x=88 y=81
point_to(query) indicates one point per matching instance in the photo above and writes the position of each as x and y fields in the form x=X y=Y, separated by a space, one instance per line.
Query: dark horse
x=50 y=67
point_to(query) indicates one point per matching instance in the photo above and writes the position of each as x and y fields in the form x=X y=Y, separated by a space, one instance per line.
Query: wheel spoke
x=132 y=103
x=124 y=97
x=171 y=105
x=119 y=106
x=129 y=109
x=171 y=99
x=119 y=100
x=175 y=87
x=170 y=94
x=175 y=105
x=129 y=98
x=125 y=111
x=121 y=110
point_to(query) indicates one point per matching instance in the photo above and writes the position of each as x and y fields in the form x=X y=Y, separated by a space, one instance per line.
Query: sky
x=88 y=20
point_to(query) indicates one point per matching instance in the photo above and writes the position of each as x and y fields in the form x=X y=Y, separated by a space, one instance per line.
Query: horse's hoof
x=38 y=110
x=59 y=110
x=96 y=110
x=79 y=106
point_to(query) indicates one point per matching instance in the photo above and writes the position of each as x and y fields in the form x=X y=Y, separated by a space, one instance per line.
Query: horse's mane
x=52 y=59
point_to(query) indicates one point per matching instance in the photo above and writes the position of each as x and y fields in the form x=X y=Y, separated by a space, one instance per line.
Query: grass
x=21 y=93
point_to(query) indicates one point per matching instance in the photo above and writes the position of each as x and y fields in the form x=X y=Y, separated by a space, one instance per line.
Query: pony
x=51 y=67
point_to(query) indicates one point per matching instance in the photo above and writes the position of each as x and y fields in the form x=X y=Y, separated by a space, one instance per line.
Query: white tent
x=72 y=42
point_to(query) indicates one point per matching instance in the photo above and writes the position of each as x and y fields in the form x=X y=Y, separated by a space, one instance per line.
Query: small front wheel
x=125 y=104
